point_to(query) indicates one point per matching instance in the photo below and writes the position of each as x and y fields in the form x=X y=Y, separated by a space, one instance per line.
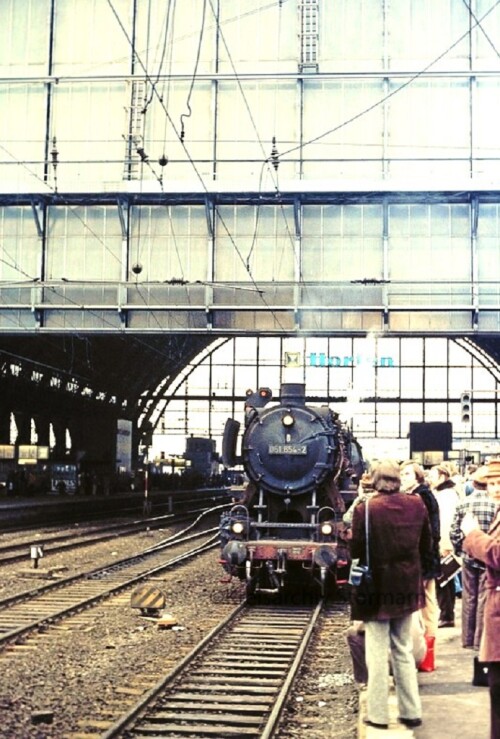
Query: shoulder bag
x=361 y=576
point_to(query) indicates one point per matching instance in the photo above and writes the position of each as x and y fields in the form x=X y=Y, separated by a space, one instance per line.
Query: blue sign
x=320 y=359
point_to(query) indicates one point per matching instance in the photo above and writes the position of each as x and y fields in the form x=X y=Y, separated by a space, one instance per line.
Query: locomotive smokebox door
x=149 y=599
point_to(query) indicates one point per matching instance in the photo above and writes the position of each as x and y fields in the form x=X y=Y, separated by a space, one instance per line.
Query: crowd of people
x=428 y=537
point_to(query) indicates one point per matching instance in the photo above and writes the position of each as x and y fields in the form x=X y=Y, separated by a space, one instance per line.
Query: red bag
x=427 y=664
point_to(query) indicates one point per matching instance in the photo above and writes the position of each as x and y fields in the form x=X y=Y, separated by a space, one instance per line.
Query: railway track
x=28 y=611
x=234 y=683
x=19 y=550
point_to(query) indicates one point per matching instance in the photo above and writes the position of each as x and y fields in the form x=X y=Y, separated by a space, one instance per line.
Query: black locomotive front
x=284 y=530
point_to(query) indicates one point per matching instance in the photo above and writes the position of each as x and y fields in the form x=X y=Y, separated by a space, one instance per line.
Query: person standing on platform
x=399 y=537
x=486 y=548
x=481 y=505
x=355 y=636
x=413 y=483
x=447 y=497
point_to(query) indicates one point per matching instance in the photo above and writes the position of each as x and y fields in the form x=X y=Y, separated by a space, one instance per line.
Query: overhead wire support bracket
x=297 y=215
x=209 y=217
x=36 y=215
x=122 y=206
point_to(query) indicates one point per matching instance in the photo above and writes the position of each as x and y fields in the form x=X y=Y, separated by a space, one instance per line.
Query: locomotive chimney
x=293 y=393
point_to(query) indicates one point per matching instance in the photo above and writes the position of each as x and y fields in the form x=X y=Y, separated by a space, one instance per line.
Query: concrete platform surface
x=451 y=705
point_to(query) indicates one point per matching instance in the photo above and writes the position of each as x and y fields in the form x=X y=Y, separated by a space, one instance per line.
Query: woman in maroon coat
x=486 y=547
x=400 y=545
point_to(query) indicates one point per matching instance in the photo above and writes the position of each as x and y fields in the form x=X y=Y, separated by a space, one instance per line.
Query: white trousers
x=430 y=612
x=391 y=637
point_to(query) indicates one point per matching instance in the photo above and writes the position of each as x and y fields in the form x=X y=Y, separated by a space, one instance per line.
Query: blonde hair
x=451 y=467
x=366 y=481
x=443 y=469
x=417 y=469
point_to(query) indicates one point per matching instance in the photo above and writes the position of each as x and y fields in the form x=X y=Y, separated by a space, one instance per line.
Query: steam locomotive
x=302 y=464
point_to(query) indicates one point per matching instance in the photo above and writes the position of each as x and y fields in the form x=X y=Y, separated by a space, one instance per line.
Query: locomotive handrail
x=327 y=508
x=311 y=437
x=234 y=510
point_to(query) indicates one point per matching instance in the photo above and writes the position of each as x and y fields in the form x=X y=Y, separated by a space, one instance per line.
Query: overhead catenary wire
x=397 y=90
x=268 y=162
x=191 y=161
x=195 y=70
x=144 y=161
x=56 y=286
x=477 y=22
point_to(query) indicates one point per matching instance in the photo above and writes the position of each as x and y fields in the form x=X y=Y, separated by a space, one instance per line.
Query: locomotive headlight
x=326 y=529
x=237 y=527
x=287 y=420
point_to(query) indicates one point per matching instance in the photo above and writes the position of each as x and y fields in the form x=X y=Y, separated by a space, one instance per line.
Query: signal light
x=466 y=407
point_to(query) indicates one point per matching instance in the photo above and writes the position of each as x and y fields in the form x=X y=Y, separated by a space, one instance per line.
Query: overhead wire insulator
x=54 y=153
x=275 y=155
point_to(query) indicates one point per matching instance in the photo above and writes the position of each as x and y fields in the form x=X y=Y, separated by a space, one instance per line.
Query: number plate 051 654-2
x=300 y=449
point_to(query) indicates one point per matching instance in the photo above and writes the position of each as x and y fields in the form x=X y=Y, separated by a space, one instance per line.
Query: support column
x=42 y=427
x=5 y=414
x=23 y=422
x=59 y=451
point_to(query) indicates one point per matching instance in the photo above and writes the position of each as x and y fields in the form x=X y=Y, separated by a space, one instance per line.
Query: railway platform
x=39 y=509
x=451 y=705
x=44 y=508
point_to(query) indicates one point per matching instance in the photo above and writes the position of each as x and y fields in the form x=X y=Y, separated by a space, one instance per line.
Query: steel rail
x=90 y=579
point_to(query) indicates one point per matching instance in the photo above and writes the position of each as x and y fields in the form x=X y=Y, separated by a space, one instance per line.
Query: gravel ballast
x=67 y=680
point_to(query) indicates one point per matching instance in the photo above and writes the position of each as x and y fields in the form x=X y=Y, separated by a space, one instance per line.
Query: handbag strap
x=367 y=530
